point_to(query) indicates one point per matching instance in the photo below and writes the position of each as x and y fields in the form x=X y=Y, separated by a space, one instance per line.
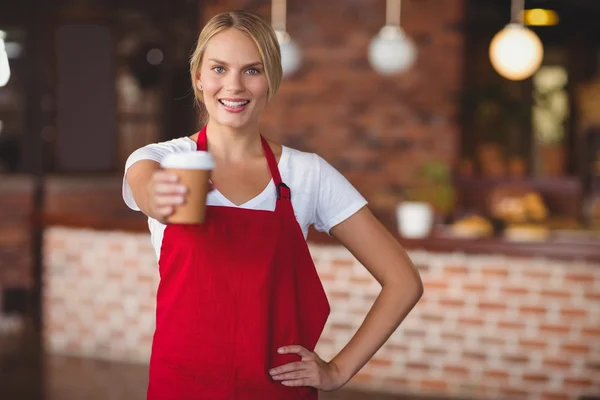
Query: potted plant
x=431 y=198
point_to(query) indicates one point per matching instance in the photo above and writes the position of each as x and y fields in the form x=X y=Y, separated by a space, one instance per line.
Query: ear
x=198 y=83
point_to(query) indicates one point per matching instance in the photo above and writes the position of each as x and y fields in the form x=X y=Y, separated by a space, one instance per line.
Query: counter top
x=97 y=204
x=566 y=249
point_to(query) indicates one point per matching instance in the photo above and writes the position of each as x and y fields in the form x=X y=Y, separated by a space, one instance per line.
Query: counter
x=497 y=320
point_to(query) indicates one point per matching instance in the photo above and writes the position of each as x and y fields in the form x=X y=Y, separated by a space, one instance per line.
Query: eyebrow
x=253 y=64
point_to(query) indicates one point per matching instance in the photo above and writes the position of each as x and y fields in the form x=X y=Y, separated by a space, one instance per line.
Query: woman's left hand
x=310 y=371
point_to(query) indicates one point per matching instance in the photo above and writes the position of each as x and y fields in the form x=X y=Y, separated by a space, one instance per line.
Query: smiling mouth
x=234 y=104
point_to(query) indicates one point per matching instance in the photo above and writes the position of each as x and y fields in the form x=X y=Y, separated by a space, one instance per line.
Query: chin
x=235 y=123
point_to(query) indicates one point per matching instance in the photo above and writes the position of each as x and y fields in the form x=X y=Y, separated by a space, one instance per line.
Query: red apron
x=232 y=291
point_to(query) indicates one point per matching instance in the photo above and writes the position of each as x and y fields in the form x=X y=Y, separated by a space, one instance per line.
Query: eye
x=219 y=70
x=253 y=71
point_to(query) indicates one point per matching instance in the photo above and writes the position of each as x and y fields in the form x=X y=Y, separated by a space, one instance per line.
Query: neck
x=233 y=144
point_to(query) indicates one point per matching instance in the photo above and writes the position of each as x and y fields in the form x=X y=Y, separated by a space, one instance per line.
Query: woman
x=240 y=306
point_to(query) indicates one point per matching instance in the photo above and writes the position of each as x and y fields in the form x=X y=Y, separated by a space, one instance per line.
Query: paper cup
x=194 y=169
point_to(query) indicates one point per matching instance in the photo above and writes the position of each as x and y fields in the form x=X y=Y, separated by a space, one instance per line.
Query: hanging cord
x=392 y=12
x=517 y=8
x=278 y=14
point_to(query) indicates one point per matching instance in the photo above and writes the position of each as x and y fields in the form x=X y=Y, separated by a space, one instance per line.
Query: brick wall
x=375 y=130
x=487 y=327
x=16 y=208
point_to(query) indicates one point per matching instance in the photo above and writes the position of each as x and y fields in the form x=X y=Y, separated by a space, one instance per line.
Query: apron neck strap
x=282 y=189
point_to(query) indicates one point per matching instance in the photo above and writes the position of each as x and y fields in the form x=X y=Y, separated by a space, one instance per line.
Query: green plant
x=434 y=186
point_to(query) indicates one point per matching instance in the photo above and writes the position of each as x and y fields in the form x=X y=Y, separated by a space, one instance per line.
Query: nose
x=234 y=83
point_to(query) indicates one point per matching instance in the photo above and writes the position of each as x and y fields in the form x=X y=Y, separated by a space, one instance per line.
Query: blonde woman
x=240 y=306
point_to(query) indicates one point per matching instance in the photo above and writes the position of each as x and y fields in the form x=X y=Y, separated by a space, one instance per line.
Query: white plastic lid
x=189 y=160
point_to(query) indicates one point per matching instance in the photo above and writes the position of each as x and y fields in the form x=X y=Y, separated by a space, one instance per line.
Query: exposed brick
x=338 y=294
x=327 y=277
x=535 y=378
x=434 y=385
x=514 y=393
x=555 y=396
x=434 y=284
x=474 y=287
x=474 y=389
x=573 y=313
x=511 y=325
x=421 y=366
x=144 y=279
x=537 y=274
x=515 y=290
x=342 y=325
x=380 y=362
x=591 y=332
x=474 y=355
x=452 y=336
x=430 y=351
x=532 y=344
x=396 y=348
x=516 y=359
x=557 y=294
x=495 y=272
x=579 y=277
x=453 y=369
x=557 y=363
x=395 y=381
x=593 y=365
x=147 y=309
x=430 y=317
x=578 y=382
x=471 y=321
x=491 y=306
x=115 y=247
x=342 y=263
x=361 y=280
x=593 y=295
x=496 y=375
x=539 y=310
x=408 y=332
x=554 y=329
x=456 y=270
x=576 y=348
x=426 y=92
x=448 y=302
x=493 y=341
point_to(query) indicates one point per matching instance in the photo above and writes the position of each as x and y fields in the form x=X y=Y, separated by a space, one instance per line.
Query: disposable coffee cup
x=194 y=169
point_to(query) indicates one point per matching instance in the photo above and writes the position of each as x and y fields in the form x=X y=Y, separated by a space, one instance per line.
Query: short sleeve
x=154 y=152
x=337 y=199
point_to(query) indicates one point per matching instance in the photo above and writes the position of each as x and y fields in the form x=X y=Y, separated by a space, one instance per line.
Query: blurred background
x=476 y=144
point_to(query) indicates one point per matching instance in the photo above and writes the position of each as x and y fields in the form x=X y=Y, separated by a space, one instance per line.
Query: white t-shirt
x=321 y=196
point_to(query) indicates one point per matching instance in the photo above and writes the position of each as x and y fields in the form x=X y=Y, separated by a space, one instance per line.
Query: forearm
x=390 y=308
x=138 y=176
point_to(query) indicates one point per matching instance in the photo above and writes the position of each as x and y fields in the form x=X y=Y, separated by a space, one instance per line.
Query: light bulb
x=4 y=67
x=391 y=51
x=290 y=53
x=516 y=52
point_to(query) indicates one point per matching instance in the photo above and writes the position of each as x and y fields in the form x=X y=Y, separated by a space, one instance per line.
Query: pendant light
x=290 y=52
x=391 y=51
x=516 y=52
x=4 y=66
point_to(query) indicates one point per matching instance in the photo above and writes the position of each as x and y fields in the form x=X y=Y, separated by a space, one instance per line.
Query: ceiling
x=577 y=17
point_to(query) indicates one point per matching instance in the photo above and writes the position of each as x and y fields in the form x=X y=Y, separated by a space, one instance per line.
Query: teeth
x=234 y=103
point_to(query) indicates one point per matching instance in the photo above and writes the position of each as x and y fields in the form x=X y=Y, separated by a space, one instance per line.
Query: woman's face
x=232 y=79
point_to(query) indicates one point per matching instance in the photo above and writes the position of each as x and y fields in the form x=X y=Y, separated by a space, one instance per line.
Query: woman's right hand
x=164 y=194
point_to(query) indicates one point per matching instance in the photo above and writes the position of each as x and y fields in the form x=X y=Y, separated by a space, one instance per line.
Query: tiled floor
x=68 y=378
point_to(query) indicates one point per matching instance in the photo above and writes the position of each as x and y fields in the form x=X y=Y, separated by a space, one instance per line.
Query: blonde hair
x=253 y=26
